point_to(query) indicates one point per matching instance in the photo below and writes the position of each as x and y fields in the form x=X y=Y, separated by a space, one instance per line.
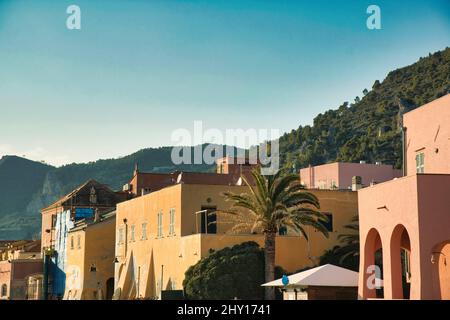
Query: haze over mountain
x=365 y=129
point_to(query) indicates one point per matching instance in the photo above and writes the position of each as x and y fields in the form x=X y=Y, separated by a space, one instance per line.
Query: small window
x=160 y=221
x=4 y=290
x=93 y=268
x=78 y=242
x=53 y=221
x=132 y=233
x=172 y=222
x=328 y=224
x=72 y=245
x=144 y=231
x=120 y=237
x=282 y=231
x=322 y=184
x=420 y=162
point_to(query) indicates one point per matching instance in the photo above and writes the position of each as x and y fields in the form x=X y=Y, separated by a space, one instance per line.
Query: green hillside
x=369 y=127
x=27 y=186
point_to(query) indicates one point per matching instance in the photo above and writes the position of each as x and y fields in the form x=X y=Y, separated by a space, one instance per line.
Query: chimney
x=356 y=183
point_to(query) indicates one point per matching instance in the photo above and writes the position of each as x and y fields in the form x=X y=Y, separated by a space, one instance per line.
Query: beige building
x=90 y=259
x=161 y=234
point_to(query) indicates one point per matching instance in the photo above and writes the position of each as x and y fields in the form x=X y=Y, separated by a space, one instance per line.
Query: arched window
x=4 y=290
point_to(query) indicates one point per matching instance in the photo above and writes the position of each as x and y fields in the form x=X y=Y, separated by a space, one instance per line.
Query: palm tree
x=350 y=241
x=274 y=202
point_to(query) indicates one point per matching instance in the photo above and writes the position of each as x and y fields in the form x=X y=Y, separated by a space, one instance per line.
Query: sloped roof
x=326 y=276
x=74 y=192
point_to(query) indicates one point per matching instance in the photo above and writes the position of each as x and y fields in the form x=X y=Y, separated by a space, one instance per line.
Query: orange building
x=90 y=259
x=161 y=234
x=406 y=222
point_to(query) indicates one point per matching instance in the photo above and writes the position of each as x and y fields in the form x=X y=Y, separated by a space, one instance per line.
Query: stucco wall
x=428 y=132
x=141 y=260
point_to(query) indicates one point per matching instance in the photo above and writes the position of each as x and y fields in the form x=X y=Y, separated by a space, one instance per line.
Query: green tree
x=235 y=272
x=274 y=202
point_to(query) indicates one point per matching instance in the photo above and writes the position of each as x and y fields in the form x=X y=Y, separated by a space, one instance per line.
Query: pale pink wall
x=428 y=127
x=380 y=208
x=418 y=202
x=421 y=204
x=342 y=173
x=434 y=224
x=368 y=172
x=311 y=176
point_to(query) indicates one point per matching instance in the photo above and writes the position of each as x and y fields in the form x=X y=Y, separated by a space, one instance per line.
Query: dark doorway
x=109 y=288
x=209 y=220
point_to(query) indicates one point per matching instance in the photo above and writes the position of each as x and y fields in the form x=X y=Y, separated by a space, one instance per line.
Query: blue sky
x=138 y=70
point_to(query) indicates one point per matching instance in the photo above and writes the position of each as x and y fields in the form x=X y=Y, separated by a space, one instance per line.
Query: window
x=4 y=290
x=120 y=240
x=420 y=162
x=328 y=224
x=322 y=184
x=208 y=220
x=132 y=233
x=78 y=242
x=159 y=232
x=172 y=221
x=144 y=231
x=282 y=231
x=93 y=268
x=53 y=221
x=72 y=245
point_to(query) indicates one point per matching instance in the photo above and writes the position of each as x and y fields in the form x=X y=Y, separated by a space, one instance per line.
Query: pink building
x=338 y=175
x=405 y=223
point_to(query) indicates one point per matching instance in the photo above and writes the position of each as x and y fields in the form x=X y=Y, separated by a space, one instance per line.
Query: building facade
x=339 y=175
x=161 y=234
x=19 y=261
x=85 y=202
x=406 y=222
x=90 y=259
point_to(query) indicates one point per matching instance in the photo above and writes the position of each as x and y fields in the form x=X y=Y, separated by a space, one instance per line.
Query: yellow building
x=161 y=234
x=90 y=259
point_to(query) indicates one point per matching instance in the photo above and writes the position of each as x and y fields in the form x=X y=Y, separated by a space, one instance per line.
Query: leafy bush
x=235 y=272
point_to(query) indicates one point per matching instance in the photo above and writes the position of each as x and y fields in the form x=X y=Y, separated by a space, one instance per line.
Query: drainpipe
x=162 y=280
x=404 y=151
x=126 y=237
x=45 y=277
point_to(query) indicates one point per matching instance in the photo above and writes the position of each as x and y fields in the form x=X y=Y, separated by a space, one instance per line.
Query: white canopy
x=327 y=276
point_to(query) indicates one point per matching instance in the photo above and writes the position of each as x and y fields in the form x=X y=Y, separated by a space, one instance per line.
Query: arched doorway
x=373 y=266
x=109 y=288
x=440 y=258
x=400 y=253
